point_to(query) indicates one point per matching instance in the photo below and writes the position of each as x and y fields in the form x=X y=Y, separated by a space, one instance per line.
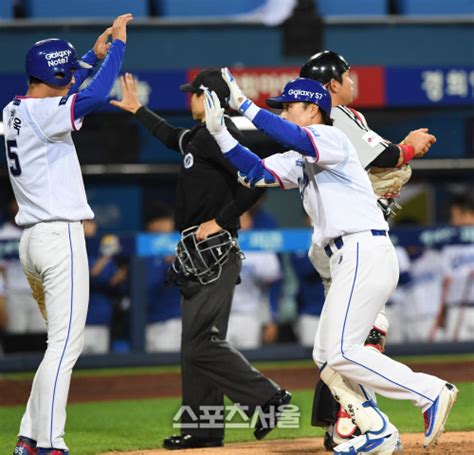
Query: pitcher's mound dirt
x=451 y=443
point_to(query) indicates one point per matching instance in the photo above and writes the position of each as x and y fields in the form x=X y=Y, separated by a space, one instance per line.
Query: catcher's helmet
x=203 y=259
x=53 y=61
x=324 y=66
x=303 y=90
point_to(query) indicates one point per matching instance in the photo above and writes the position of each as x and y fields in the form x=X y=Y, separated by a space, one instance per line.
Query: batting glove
x=215 y=121
x=238 y=100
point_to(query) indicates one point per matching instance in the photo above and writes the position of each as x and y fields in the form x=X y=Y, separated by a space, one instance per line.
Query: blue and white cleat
x=437 y=414
x=370 y=443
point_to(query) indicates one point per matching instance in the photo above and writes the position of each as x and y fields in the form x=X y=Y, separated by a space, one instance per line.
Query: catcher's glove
x=387 y=182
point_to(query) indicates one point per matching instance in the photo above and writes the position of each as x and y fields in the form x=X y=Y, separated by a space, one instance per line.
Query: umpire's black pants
x=210 y=366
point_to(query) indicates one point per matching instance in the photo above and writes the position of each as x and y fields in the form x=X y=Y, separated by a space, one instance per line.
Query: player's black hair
x=465 y=201
x=327 y=119
x=158 y=210
x=35 y=80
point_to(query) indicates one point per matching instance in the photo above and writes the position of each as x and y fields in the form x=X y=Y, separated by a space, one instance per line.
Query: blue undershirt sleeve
x=285 y=132
x=250 y=165
x=81 y=75
x=98 y=90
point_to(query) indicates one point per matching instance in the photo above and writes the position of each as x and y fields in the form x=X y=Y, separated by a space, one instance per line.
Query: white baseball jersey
x=426 y=285
x=458 y=267
x=42 y=161
x=259 y=269
x=335 y=189
x=367 y=143
x=15 y=278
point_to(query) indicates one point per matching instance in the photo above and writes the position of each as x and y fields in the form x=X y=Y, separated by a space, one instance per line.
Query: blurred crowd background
x=413 y=66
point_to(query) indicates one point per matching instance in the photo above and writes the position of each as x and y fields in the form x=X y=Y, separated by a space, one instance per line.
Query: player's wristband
x=408 y=152
x=90 y=57
x=225 y=140
x=249 y=109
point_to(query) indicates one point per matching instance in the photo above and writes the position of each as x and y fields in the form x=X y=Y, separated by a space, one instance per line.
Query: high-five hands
x=119 y=27
x=214 y=112
x=130 y=101
x=238 y=100
x=102 y=46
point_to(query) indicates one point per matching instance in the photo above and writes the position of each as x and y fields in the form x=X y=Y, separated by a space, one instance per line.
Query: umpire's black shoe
x=187 y=441
x=270 y=413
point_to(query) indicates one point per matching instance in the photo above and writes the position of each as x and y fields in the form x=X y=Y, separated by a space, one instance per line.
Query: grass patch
x=449 y=358
x=142 y=424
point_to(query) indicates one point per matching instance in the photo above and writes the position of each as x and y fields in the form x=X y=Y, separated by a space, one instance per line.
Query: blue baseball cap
x=303 y=90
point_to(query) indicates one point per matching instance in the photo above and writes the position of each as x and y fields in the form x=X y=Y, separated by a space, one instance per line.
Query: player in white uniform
x=424 y=298
x=22 y=314
x=396 y=306
x=250 y=304
x=338 y=197
x=387 y=162
x=457 y=302
x=457 y=310
x=46 y=179
x=333 y=71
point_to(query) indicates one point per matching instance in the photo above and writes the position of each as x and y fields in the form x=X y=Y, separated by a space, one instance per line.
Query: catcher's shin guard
x=325 y=407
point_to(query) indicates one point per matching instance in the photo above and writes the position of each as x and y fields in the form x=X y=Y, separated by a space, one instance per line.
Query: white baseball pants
x=54 y=258
x=364 y=273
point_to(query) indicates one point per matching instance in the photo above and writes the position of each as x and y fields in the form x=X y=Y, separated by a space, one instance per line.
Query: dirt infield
x=450 y=443
x=139 y=386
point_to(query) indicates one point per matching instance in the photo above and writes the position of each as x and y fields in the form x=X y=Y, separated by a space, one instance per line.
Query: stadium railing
x=144 y=245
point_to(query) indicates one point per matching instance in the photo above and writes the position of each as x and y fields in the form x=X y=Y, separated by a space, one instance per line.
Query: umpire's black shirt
x=207 y=184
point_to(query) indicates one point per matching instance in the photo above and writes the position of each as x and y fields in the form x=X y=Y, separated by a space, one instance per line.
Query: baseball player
x=333 y=71
x=23 y=316
x=456 y=313
x=46 y=179
x=163 y=330
x=108 y=283
x=426 y=280
x=337 y=195
x=387 y=162
x=208 y=196
x=395 y=307
x=250 y=304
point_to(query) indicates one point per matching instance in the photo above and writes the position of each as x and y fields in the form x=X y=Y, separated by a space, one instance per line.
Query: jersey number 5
x=15 y=169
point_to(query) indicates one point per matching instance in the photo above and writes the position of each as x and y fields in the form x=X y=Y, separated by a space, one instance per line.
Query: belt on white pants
x=338 y=242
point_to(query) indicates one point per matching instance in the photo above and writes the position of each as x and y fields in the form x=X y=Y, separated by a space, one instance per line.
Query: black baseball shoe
x=187 y=441
x=270 y=413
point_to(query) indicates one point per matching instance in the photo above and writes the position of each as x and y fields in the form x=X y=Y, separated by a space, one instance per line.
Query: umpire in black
x=208 y=195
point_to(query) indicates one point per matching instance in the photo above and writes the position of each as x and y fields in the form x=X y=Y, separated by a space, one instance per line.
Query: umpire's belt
x=338 y=243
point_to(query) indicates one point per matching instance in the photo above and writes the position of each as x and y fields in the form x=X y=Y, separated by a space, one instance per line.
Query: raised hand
x=101 y=46
x=130 y=101
x=237 y=99
x=119 y=27
x=421 y=140
x=214 y=112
